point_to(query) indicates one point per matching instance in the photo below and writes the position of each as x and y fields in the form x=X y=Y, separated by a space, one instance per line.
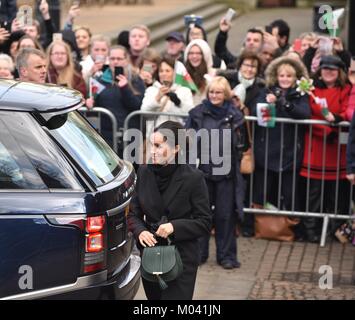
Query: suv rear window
x=86 y=146
x=29 y=159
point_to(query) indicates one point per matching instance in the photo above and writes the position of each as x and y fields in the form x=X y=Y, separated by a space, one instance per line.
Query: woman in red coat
x=320 y=161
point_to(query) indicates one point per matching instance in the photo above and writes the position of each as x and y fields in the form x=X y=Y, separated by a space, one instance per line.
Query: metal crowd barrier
x=94 y=117
x=152 y=116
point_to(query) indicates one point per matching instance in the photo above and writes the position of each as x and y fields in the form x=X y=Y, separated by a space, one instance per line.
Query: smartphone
x=192 y=19
x=166 y=83
x=76 y=3
x=100 y=59
x=24 y=16
x=57 y=37
x=297 y=45
x=148 y=68
x=118 y=71
x=230 y=15
x=5 y=25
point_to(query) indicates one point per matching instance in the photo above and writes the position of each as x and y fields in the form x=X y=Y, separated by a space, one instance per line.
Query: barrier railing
x=326 y=216
x=94 y=117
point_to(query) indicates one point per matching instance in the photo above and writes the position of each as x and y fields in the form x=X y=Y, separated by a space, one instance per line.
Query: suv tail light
x=95 y=224
x=94 y=242
x=94 y=231
x=94 y=260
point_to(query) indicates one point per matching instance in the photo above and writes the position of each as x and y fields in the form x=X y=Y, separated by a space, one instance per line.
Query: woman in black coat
x=222 y=121
x=171 y=200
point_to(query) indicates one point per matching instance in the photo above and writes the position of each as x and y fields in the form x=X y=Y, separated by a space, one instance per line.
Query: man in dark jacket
x=253 y=42
x=122 y=95
x=8 y=10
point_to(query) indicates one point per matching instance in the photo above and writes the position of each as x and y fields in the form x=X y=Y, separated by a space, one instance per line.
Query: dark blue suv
x=64 y=196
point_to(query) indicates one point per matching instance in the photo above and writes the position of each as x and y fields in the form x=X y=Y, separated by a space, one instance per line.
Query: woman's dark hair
x=174 y=134
x=341 y=82
x=198 y=27
x=248 y=55
x=169 y=61
x=197 y=74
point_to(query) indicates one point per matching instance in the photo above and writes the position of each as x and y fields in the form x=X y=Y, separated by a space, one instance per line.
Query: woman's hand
x=165 y=230
x=4 y=35
x=162 y=92
x=271 y=98
x=90 y=102
x=147 y=239
x=338 y=44
x=330 y=117
x=121 y=81
x=96 y=67
x=146 y=77
x=224 y=26
x=15 y=26
x=351 y=178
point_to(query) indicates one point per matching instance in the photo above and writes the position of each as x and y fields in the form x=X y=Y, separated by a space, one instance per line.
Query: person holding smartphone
x=122 y=92
x=149 y=66
x=165 y=96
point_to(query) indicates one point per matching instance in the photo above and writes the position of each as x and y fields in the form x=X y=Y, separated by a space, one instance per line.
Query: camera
x=192 y=19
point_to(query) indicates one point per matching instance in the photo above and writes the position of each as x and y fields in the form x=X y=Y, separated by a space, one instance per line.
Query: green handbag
x=161 y=264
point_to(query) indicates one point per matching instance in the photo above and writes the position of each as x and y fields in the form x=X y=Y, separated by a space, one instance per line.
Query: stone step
x=161 y=23
x=209 y=13
x=210 y=24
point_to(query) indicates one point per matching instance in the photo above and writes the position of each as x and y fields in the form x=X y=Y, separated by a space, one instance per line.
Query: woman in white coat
x=165 y=96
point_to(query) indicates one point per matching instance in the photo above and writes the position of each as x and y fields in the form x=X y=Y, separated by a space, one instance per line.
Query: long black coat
x=201 y=118
x=186 y=204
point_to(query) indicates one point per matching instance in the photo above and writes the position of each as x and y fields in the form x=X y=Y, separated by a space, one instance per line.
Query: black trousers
x=313 y=225
x=221 y=195
x=288 y=196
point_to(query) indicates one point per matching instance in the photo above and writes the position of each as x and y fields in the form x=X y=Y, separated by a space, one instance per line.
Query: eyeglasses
x=250 y=66
x=192 y=53
x=117 y=58
x=59 y=53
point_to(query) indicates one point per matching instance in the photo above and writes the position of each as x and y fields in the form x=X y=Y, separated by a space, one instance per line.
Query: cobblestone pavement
x=274 y=270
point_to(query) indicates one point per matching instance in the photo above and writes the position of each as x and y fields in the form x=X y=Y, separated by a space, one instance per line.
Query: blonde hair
x=221 y=82
x=65 y=75
x=289 y=69
x=141 y=27
x=8 y=60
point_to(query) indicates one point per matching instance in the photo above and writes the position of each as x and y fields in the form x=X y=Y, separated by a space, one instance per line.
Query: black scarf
x=163 y=174
x=217 y=112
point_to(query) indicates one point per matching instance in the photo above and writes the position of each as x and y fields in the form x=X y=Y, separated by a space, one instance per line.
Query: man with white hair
x=31 y=65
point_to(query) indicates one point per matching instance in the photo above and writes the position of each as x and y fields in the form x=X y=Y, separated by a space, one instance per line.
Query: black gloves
x=332 y=137
x=174 y=98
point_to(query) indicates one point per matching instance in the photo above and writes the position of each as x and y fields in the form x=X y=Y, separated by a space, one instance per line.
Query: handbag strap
x=246 y=113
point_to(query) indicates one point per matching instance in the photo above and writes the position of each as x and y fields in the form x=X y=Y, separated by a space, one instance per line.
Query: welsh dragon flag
x=183 y=78
x=95 y=87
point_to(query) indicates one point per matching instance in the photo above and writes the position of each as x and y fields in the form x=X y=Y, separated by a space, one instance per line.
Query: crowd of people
x=131 y=75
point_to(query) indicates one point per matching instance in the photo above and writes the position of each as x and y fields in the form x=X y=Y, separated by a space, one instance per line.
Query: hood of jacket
x=205 y=48
x=271 y=70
